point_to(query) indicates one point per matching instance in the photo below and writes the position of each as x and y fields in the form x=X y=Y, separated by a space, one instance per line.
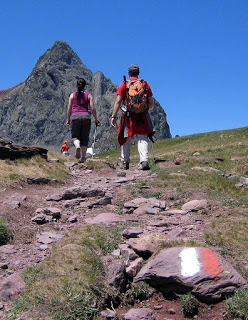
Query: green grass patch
x=4 y=231
x=237 y=305
x=164 y=244
x=229 y=231
x=91 y=164
x=71 y=283
x=138 y=292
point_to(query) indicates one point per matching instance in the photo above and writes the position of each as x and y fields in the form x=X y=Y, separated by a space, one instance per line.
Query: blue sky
x=193 y=53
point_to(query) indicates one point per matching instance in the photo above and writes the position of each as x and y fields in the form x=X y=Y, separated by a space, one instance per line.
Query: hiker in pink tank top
x=80 y=104
x=79 y=119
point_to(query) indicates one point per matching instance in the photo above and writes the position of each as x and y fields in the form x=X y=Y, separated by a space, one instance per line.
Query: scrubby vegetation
x=190 y=305
x=4 y=231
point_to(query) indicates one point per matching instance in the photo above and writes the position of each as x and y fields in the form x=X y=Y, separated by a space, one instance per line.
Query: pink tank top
x=81 y=104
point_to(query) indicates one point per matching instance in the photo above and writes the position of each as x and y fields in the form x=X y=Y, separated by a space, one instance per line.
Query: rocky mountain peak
x=59 y=53
x=34 y=113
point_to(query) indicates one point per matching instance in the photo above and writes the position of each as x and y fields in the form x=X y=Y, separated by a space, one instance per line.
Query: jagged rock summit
x=34 y=112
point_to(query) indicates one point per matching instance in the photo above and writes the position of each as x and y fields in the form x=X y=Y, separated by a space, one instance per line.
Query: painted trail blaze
x=190 y=264
x=194 y=259
x=211 y=263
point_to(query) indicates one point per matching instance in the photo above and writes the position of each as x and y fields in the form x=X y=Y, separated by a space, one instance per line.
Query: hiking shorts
x=80 y=130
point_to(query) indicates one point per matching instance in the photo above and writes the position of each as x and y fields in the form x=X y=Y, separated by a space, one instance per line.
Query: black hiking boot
x=82 y=160
x=124 y=166
x=145 y=165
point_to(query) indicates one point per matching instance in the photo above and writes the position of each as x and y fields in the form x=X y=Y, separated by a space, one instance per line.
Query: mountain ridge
x=34 y=111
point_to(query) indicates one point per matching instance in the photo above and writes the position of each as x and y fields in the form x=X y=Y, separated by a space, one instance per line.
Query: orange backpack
x=136 y=97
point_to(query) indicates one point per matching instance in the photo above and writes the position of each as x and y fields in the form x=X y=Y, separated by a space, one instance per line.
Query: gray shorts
x=80 y=130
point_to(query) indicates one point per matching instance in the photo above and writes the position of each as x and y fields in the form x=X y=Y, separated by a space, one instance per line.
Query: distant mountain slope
x=34 y=112
x=3 y=92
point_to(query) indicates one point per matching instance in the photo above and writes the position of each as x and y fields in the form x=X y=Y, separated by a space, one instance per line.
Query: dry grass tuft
x=17 y=171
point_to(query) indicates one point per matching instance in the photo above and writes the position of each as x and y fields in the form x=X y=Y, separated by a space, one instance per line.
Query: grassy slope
x=16 y=171
x=218 y=143
x=227 y=230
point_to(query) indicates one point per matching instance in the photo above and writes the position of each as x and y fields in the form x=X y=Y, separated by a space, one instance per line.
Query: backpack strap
x=126 y=90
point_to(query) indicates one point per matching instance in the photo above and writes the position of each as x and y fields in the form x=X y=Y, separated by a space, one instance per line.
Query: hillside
x=34 y=112
x=70 y=236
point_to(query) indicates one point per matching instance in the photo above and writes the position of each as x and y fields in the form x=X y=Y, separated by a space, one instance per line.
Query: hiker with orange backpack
x=65 y=149
x=136 y=95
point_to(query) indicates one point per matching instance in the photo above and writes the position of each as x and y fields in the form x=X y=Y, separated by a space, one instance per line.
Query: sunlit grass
x=15 y=171
x=71 y=283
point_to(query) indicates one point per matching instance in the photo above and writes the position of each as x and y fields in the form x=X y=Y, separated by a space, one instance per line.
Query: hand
x=97 y=123
x=113 y=122
x=68 y=123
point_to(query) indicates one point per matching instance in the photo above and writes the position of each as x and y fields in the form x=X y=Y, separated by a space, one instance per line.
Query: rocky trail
x=40 y=214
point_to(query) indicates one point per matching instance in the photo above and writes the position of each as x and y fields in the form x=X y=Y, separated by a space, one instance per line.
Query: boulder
x=101 y=202
x=134 y=267
x=108 y=314
x=12 y=204
x=142 y=202
x=40 y=218
x=146 y=210
x=172 y=211
x=108 y=218
x=76 y=192
x=54 y=212
x=244 y=180
x=195 y=205
x=11 y=287
x=39 y=180
x=116 y=274
x=132 y=233
x=8 y=150
x=139 y=314
x=200 y=270
x=127 y=253
x=145 y=246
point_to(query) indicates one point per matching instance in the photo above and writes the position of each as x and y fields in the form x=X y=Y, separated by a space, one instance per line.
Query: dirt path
x=19 y=205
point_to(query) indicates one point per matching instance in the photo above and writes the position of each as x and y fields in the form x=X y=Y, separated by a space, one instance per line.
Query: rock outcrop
x=8 y=150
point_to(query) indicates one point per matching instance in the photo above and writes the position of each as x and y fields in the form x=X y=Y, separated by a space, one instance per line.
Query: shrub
x=190 y=305
x=4 y=231
x=237 y=305
x=138 y=292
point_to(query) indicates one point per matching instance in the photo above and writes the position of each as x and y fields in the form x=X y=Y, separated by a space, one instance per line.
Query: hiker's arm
x=150 y=102
x=116 y=108
x=69 y=110
x=92 y=107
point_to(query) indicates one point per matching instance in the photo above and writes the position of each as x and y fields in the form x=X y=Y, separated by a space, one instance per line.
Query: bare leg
x=83 y=151
x=76 y=143
x=77 y=146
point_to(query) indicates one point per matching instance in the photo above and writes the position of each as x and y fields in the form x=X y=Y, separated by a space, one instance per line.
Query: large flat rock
x=200 y=270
